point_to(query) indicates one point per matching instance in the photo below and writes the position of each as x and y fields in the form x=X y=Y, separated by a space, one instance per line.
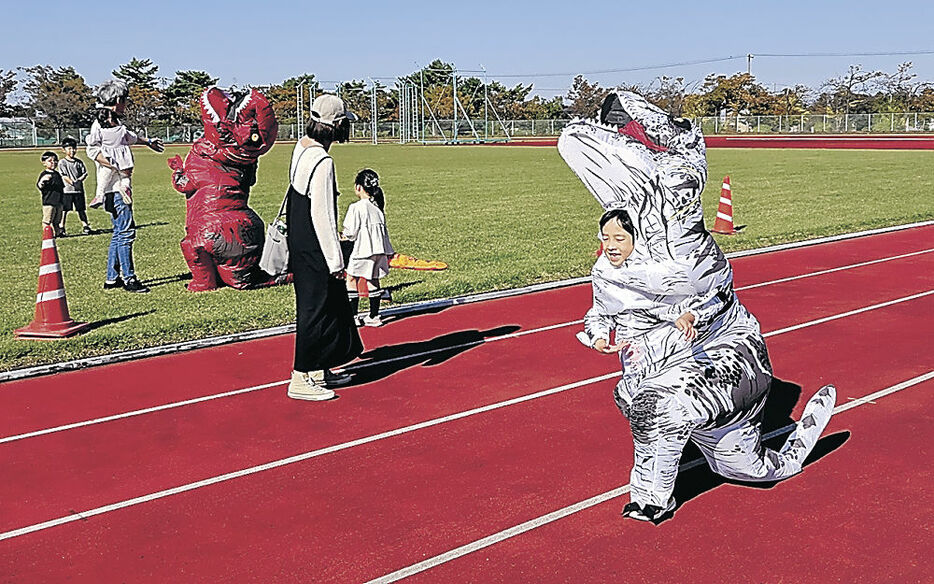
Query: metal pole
x=400 y=114
x=421 y=88
x=486 y=117
x=454 y=103
x=374 y=112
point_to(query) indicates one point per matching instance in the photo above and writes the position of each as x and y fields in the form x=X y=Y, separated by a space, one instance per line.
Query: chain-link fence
x=19 y=133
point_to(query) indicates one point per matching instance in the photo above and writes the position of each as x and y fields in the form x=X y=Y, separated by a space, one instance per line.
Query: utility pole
x=749 y=58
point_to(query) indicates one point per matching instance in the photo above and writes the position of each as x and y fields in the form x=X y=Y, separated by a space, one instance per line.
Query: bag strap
x=285 y=199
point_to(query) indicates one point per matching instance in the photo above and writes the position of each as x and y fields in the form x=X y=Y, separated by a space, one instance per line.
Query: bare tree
x=585 y=97
x=848 y=92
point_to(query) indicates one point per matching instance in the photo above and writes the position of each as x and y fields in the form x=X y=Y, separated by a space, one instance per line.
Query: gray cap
x=330 y=109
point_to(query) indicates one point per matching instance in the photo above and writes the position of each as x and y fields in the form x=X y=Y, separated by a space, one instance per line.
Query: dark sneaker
x=118 y=283
x=134 y=285
x=648 y=512
x=336 y=379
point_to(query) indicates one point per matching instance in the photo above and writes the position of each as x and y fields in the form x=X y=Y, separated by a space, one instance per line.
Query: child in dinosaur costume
x=695 y=364
x=223 y=236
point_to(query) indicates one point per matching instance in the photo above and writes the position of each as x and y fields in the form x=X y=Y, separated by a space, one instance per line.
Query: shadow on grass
x=152 y=283
x=105 y=231
x=777 y=414
x=382 y=362
x=102 y=323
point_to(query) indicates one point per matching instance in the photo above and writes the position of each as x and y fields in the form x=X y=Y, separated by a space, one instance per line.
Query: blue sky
x=266 y=42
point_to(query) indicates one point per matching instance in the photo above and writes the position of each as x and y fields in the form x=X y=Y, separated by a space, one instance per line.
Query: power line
x=877 y=54
x=624 y=70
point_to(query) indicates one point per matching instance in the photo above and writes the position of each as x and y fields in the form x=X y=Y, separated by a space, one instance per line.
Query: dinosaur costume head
x=638 y=158
x=240 y=125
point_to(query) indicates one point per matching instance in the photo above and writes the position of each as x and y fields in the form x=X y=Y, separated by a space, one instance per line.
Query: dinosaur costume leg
x=201 y=265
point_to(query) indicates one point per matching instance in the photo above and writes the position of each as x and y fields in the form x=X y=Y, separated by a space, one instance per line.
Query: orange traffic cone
x=52 y=320
x=724 y=222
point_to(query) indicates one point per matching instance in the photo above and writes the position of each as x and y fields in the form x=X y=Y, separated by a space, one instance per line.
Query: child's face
x=617 y=243
x=69 y=151
x=50 y=163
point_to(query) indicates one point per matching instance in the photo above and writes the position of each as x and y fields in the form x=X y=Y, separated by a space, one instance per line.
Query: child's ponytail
x=369 y=182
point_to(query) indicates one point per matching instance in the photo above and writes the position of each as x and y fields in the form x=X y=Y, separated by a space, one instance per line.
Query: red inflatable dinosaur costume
x=223 y=236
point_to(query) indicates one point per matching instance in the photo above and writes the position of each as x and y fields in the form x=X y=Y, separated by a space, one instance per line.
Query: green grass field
x=501 y=217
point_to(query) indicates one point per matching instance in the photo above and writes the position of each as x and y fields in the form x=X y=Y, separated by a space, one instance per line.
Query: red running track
x=371 y=509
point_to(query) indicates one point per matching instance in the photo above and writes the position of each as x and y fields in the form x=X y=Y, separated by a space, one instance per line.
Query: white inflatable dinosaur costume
x=712 y=390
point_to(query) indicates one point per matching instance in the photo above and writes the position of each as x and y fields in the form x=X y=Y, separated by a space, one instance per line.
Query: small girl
x=112 y=140
x=365 y=226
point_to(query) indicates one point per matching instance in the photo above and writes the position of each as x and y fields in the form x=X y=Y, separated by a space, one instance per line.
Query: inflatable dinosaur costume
x=223 y=236
x=711 y=391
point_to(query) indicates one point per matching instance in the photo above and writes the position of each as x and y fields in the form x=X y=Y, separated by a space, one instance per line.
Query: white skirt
x=372 y=268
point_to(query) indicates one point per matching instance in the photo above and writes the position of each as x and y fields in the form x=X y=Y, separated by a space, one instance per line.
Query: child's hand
x=685 y=324
x=604 y=346
x=68 y=180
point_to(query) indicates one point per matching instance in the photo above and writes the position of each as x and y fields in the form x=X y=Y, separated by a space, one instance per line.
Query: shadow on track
x=382 y=362
x=776 y=414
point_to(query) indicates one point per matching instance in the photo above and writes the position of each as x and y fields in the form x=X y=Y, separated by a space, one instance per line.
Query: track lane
x=753 y=269
x=853 y=516
x=407 y=498
x=91 y=456
x=28 y=404
x=810 y=298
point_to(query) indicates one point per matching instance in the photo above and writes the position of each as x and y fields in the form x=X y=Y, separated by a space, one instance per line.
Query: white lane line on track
x=300 y=457
x=258 y=334
x=381 y=436
x=362 y=365
x=178 y=404
x=601 y=498
x=397 y=432
x=832 y=270
x=189 y=402
x=848 y=313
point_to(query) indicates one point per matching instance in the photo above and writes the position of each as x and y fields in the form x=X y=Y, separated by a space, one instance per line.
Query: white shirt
x=365 y=225
x=114 y=143
x=317 y=181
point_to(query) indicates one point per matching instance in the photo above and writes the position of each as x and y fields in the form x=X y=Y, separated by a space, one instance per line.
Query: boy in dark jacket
x=52 y=187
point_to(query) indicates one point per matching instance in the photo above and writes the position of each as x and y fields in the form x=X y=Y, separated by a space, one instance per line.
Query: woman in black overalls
x=325 y=335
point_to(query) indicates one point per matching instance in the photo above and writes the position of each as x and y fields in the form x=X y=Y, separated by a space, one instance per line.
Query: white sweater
x=365 y=225
x=321 y=187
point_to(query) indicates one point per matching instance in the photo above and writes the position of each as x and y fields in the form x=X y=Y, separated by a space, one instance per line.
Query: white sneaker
x=306 y=386
x=815 y=418
x=374 y=321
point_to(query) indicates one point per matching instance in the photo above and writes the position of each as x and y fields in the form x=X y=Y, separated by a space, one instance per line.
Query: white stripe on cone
x=726 y=186
x=725 y=201
x=50 y=269
x=724 y=216
x=50 y=295
x=47 y=243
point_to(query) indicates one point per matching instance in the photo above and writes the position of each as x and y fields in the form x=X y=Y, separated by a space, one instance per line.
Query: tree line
x=60 y=97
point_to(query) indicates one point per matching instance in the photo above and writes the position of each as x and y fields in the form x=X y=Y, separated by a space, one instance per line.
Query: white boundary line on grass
x=601 y=498
x=388 y=434
x=400 y=310
x=363 y=365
